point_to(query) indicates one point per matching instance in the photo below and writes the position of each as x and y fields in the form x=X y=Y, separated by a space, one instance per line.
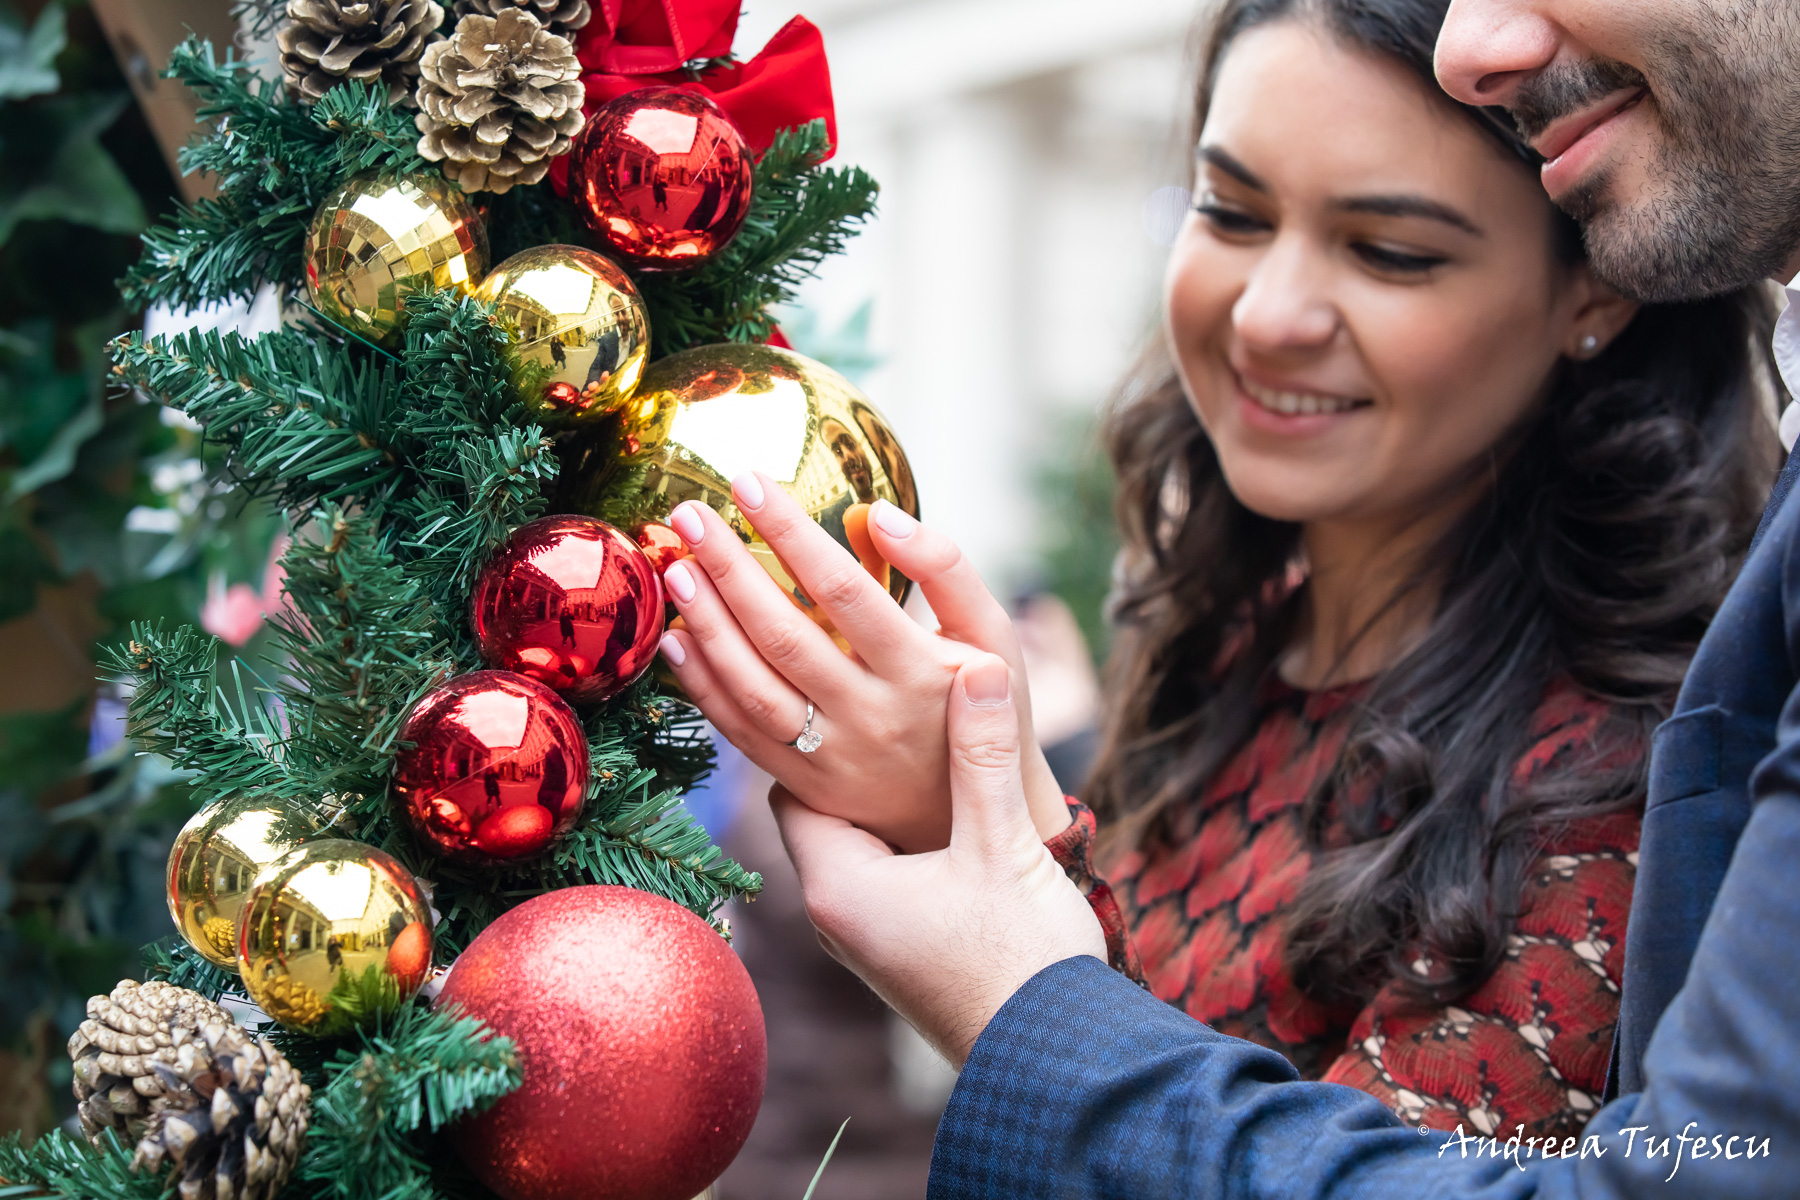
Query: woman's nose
x=1285 y=304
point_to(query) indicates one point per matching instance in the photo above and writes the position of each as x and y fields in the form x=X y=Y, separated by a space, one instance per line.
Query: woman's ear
x=1601 y=315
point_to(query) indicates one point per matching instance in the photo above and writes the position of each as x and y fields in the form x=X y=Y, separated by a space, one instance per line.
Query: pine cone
x=115 y=1049
x=498 y=100
x=235 y=1118
x=561 y=17
x=325 y=42
x=172 y=1068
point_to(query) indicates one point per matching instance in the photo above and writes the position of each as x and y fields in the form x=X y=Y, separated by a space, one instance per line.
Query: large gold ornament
x=379 y=238
x=217 y=856
x=333 y=933
x=703 y=416
x=579 y=327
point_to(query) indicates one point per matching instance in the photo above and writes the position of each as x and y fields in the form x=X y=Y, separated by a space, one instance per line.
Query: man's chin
x=1653 y=252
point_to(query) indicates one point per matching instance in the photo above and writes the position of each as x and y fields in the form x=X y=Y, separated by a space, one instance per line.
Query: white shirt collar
x=1787 y=357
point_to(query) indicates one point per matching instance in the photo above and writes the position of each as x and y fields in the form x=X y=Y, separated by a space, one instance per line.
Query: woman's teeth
x=1297 y=403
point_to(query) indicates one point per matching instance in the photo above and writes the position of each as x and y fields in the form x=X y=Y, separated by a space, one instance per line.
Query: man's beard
x=1722 y=205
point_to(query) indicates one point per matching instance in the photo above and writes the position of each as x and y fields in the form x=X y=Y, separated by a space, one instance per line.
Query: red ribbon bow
x=641 y=43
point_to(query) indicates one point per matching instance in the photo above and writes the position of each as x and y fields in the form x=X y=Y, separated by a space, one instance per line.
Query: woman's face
x=1365 y=298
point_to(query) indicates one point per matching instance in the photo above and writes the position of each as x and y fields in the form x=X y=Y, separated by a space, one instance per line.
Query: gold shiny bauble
x=701 y=417
x=217 y=856
x=334 y=932
x=379 y=238
x=580 y=331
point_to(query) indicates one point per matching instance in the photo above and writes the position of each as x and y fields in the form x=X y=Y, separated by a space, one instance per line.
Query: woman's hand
x=947 y=937
x=752 y=661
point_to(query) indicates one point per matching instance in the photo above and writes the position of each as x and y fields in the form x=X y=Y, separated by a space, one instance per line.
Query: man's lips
x=1563 y=133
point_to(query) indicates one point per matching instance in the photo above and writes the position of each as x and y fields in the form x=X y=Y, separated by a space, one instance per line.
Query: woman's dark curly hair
x=1617 y=514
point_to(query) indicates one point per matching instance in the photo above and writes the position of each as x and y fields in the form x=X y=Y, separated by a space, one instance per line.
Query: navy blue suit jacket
x=1086 y=1086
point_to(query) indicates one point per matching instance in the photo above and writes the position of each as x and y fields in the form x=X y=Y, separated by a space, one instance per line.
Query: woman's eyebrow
x=1408 y=206
x=1215 y=157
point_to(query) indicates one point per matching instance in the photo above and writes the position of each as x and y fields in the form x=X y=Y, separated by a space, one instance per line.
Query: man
x=1671 y=128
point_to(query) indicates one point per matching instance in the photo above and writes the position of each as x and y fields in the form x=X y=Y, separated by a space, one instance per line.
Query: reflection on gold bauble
x=703 y=416
x=334 y=932
x=217 y=856
x=379 y=238
x=579 y=328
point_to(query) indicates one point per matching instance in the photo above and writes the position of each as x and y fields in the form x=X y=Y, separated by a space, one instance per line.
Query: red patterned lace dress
x=1203 y=912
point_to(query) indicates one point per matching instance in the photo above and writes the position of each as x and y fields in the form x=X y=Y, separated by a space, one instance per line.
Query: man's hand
x=947 y=936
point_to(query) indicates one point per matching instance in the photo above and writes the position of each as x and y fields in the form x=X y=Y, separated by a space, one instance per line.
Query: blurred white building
x=1028 y=152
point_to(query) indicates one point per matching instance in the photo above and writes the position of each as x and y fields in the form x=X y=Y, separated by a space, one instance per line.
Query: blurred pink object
x=234 y=614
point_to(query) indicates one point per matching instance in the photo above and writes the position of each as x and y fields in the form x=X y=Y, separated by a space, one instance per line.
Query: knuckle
x=985 y=754
x=939 y=556
x=841 y=589
x=761 y=707
x=781 y=643
x=823 y=908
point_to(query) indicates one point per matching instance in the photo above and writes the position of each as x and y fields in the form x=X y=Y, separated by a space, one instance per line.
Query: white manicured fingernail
x=680 y=582
x=671 y=649
x=686 y=521
x=748 y=491
x=894 y=521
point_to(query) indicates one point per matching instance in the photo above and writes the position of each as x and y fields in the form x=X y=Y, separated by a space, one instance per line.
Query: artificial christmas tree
x=396 y=437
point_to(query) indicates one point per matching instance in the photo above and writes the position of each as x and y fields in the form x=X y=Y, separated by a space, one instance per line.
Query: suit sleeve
x=1085 y=1085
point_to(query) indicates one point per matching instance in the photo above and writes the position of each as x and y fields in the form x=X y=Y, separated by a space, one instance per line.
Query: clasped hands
x=917 y=828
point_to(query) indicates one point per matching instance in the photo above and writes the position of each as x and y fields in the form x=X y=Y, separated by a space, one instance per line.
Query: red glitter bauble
x=640 y=1037
x=663 y=176
x=571 y=602
x=498 y=768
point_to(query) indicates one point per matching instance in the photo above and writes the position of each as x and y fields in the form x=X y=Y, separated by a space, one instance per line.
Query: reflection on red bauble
x=571 y=602
x=663 y=176
x=640 y=1037
x=661 y=545
x=498 y=768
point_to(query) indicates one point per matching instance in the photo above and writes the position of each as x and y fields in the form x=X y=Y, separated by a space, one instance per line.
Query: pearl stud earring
x=1589 y=344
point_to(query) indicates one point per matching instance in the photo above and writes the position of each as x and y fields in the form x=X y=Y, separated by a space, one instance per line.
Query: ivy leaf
x=28 y=60
x=77 y=181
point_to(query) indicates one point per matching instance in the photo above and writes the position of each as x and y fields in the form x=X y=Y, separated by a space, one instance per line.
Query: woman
x=1422 y=524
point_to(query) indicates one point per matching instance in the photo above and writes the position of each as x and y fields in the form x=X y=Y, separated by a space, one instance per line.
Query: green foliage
x=800 y=215
x=83 y=829
x=273 y=165
x=404 y=1078
x=174 y=961
x=1075 y=489
x=28 y=57
x=62 y=1165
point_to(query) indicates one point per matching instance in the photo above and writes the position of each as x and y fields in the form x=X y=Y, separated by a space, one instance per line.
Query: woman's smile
x=1291 y=408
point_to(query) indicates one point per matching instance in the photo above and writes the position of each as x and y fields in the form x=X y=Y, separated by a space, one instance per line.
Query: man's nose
x=1487 y=48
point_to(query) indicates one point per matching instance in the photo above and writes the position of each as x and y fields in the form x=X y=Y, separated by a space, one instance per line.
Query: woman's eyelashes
x=1237 y=223
x=1397 y=262
x=1233 y=222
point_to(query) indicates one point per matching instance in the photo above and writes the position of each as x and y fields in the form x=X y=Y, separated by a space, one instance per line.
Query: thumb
x=987 y=790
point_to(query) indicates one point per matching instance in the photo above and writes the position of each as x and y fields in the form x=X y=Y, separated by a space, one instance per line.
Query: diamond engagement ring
x=810 y=739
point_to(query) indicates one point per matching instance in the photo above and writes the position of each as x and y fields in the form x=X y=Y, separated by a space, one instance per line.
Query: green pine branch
x=66 y=1167
x=174 y=961
x=801 y=213
x=363 y=644
x=175 y=711
x=273 y=161
x=404 y=1078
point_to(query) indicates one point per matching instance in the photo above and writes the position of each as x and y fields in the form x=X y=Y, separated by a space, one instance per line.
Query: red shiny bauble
x=571 y=602
x=663 y=176
x=661 y=545
x=640 y=1037
x=498 y=768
